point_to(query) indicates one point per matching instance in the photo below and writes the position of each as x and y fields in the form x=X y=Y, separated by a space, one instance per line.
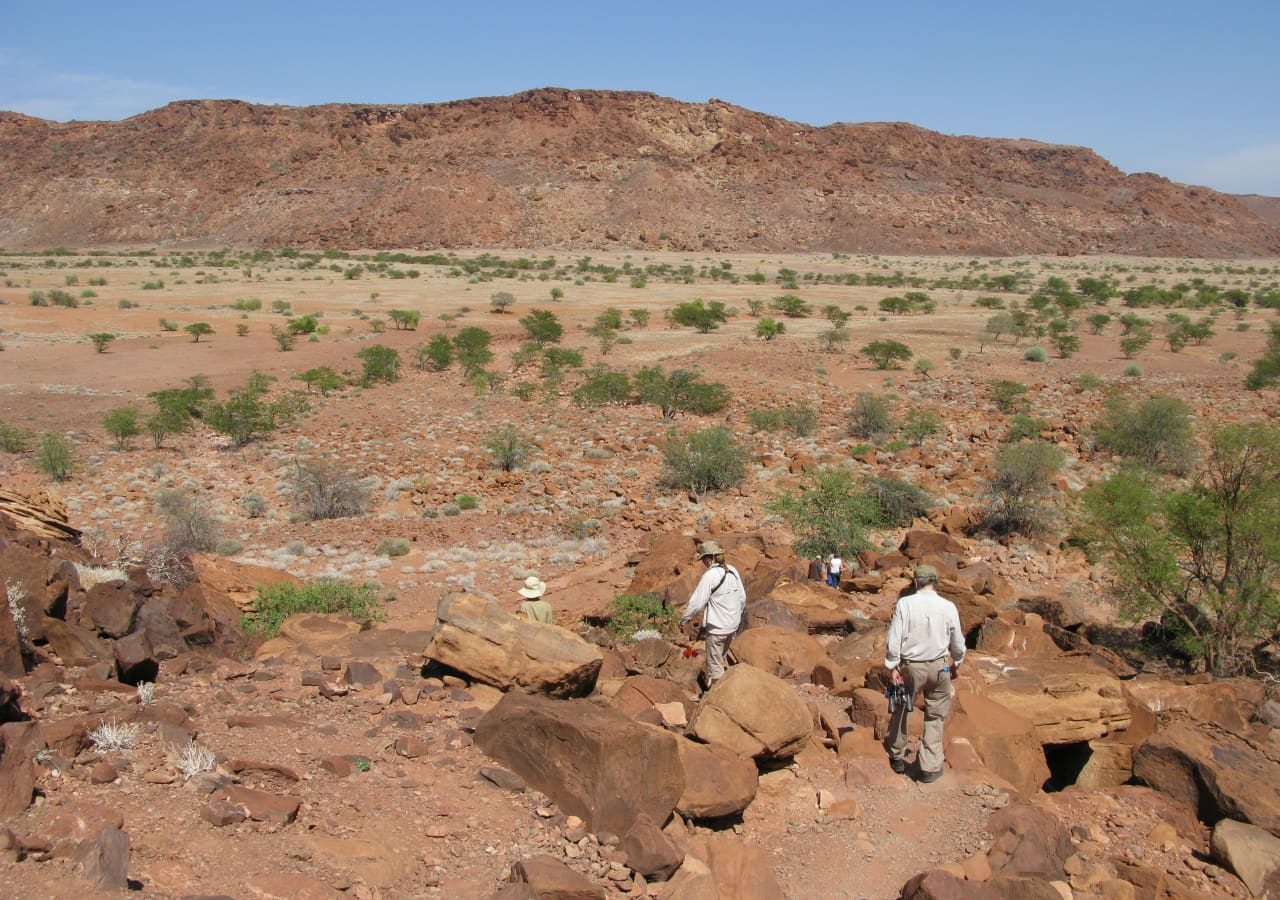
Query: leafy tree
x=640 y=317
x=501 y=300
x=471 y=346
x=828 y=514
x=836 y=316
x=919 y=424
x=1133 y=344
x=769 y=329
x=542 y=326
x=307 y=324
x=557 y=293
x=886 y=354
x=833 y=339
x=379 y=363
x=1008 y=396
x=284 y=338
x=198 y=330
x=405 y=319
x=246 y=414
x=755 y=307
x=1204 y=560
x=679 y=391
x=703 y=461
x=1066 y=344
x=122 y=424
x=101 y=339
x=611 y=318
x=702 y=316
x=1155 y=432
x=1097 y=322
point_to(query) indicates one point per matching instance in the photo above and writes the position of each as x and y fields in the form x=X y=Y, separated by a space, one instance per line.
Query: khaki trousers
x=923 y=678
x=717 y=646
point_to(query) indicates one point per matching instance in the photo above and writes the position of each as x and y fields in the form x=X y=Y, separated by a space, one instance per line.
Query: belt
x=920 y=662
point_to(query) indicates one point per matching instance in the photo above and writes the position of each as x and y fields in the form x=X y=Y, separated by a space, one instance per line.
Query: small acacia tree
x=500 y=301
x=1155 y=432
x=1205 y=559
x=769 y=329
x=471 y=346
x=436 y=354
x=542 y=326
x=703 y=316
x=379 y=363
x=1023 y=479
x=886 y=353
x=101 y=339
x=198 y=330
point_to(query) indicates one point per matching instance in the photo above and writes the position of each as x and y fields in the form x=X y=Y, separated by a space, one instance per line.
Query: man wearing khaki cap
x=721 y=593
x=924 y=629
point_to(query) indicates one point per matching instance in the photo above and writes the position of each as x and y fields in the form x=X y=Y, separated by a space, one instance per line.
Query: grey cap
x=709 y=548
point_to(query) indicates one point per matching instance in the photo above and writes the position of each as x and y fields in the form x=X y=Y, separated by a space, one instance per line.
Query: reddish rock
x=17 y=774
x=548 y=877
x=103 y=773
x=640 y=693
x=10 y=701
x=594 y=762
x=221 y=812
x=135 y=660
x=240 y=766
x=649 y=851
x=779 y=652
x=717 y=781
x=104 y=860
x=262 y=806
x=412 y=747
x=109 y=607
x=753 y=714
x=288 y=886
x=361 y=673
x=74 y=645
x=336 y=765
x=1028 y=841
x=11 y=664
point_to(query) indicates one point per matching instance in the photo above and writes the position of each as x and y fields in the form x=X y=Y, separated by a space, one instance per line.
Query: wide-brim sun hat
x=534 y=587
x=709 y=548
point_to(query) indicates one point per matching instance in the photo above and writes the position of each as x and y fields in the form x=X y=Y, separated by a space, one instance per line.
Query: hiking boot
x=926 y=777
x=898 y=765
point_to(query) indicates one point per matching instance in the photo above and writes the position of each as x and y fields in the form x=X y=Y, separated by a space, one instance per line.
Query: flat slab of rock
x=754 y=714
x=262 y=806
x=546 y=876
x=477 y=636
x=593 y=761
x=1068 y=699
x=1251 y=853
x=289 y=887
x=104 y=860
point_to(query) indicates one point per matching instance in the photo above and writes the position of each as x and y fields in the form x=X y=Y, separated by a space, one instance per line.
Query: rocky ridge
x=568 y=169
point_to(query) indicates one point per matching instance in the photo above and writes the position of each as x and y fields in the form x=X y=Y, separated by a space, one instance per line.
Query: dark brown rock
x=262 y=806
x=592 y=761
x=717 y=781
x=361 y=673
x=549 y=879
x=109 y=607
x=105 y=860
x=74 y=645
x=1028 y=841
x=221 y=812
x=135 y=660
x=649 y=851
x=17 y=774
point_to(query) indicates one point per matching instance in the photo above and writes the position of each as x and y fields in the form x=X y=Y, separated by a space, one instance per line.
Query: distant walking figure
x=835 y=566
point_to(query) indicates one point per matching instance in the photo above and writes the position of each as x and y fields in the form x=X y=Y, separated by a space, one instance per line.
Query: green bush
x=703 y=316
x=679 y=391
x=828 y=514
x=247 y=304
x=392 y=547
x=55 y=456
x=790 y=306
x=630 y=613
x=247 y=414
x=466 y=501
x=198 y=330
x=1087 y=382
x=1023 y=426
x=765 y=419
x=898 y=502
x=1035 y=354
x=831 y=340
x=14 y=439
x=508 y=448
x=542 y=326
x=1008 y=396
x=122 y=424
x=703 y=461
x=436 y=354
x=1133 y=370
x=602 y=388
x=920 y=424
x=471 y=348
x=769 y=328
x=277 y=602
x=379 y=363
x=871 y=417
x=101 y=339
x=1156 y=432
x=1024 y=473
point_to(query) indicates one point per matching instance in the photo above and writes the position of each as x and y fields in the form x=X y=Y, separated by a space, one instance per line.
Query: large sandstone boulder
x=1214 y=772
x=1015 y=635
x=591 y=760
x=717 y=781
x=1067 y=699
x=476 y=636
x=821 y=608
x=1028 y=841
x=779 y=652
x=1005 y=741
x=1251 y=853
x=722 y=866
x=664 y=660
x=754 y=714
x=1218 y=702
x=638 y=697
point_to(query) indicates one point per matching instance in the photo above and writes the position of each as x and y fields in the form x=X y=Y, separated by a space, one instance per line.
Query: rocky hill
x=581 y=170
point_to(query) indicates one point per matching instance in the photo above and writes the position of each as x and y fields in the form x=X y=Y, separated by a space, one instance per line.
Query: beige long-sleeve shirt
x=925 y=626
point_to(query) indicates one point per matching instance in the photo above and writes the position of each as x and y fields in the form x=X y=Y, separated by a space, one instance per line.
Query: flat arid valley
x=284 y=479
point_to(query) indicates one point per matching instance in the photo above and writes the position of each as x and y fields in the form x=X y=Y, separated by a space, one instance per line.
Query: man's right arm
x=893 y=643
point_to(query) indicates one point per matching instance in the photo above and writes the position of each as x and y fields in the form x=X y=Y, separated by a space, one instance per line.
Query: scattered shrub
x=122 y=424
x=1024 y=473
x=919 y=424
x=508 y=447
x=228 y=547
x=1133 y=370
x=602 y=388
x=379 y=364
x=703 y=461
x=1155 y=432
x=1023 y=426
x=392 y=547
x=886 y=354
x=871 y=417
x=14 y=439
x=189 y=525
x=466 y=501
x=1087 y=382
x=55 y=456
x=253 y=506
x=898 y=502
x=277 y=602
x=769 y=328
x=101 y=339
x=828 y=514
x=632 y=613
x=322 y=489
x=1035 y=354
x=679 y=391
x=1008 y=396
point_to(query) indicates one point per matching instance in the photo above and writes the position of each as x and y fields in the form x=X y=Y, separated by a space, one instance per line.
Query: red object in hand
x=690 y=652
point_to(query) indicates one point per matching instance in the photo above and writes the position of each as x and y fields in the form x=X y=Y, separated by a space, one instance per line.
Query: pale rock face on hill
x=569 y=169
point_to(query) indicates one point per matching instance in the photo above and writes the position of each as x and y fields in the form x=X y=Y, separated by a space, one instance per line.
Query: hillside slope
x=580 y=170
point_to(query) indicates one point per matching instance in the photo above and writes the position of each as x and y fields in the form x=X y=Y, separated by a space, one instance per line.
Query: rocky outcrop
x=1067 y=699
x=246 y=174
x=476 y=636
x=593 y=761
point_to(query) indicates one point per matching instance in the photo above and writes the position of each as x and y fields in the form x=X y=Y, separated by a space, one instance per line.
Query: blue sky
x=1188 y=90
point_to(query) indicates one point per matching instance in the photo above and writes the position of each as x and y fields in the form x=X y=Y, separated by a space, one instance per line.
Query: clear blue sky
x=1190 y=90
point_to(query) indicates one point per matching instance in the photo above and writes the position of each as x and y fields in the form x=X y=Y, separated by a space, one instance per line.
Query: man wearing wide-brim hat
x=721 y=594
x=533 y=606
x=925 y=628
